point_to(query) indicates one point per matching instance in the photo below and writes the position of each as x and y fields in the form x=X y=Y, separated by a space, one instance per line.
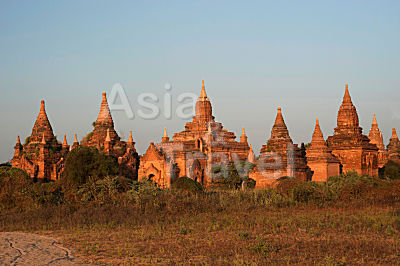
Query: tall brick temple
x=353 y=149
x=193 y=152
x=320 y=159
x=41 y=156
x=280 y=157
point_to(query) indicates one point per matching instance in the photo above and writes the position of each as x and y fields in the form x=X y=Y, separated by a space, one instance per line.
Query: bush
x=392 y=170
x=143 y=191
x=83 y=163
x=186 y=184
x=13 y=183
x=45 y=193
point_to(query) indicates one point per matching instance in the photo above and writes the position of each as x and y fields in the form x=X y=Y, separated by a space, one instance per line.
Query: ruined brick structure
x=353 y=149
x=193 y=152
x=42 y=156
x=280 y=157
x=320 y=159
x=394 y=146
x=375 y=135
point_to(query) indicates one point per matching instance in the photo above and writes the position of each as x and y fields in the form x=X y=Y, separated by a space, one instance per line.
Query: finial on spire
x=203 y=94
x=76 y=143
x=42 y=107
x=108 y=138
x=18 y=140
x=346 y=97
x=243 y=138
x=394 y=134
x=279 y=118
x=317 y=122
x=374 y=122
x=65 y=144
x=130 y=139
x=165 y=138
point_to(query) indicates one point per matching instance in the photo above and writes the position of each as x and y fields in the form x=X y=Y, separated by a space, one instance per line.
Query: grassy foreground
x=348 y=220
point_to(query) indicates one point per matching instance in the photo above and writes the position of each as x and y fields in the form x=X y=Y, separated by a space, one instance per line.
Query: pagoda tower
x=280 y=157
x=375 y=135
x=349 y=145
x=393 y=147
x=320 y=159
x=103 y=124
x=41 y=126
x=40 y=152
x=193 y=152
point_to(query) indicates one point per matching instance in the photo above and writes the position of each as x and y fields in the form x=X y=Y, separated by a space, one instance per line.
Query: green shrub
x=392 y=170
x=83 y=163
x=186 y=184
x=100 y=190
x=13 y=182
x=45 y=193
x=143 y=191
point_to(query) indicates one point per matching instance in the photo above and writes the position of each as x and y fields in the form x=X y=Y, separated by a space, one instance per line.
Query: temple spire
x=374 y=122
x=42 y=125
x=165 y=138
x=318 y=137
x=394 y=134
x=279 y=118
x=203 y=94
x=105 y=114
x=203 y=109
x=18 y=140
x=243 y=138
x=65 y=144
x=76 y=143
x=130 y=139
x=346 y=97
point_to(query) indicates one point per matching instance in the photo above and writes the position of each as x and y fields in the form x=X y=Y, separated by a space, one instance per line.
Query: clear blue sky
x=254 y=56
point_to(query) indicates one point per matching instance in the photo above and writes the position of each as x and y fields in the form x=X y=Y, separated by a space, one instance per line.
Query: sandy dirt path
x=30 y=249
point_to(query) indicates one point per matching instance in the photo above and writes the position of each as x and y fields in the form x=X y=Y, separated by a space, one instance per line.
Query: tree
x=392 y=170
x=84 y=162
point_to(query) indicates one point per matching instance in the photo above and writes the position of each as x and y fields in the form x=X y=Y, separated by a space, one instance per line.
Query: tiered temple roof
x=103 y=124
x=349 y=145
x=319 y=157
x=375 y=136
x=394 y=146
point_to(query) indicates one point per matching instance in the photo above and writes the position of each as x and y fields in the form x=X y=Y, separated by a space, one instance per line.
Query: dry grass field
x=350 y=220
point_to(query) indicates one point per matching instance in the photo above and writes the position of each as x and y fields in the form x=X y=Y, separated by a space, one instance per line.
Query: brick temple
x=353 y=149
x=193 y=152
x=205 y=144
x=43 y=157
x=279 y=157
